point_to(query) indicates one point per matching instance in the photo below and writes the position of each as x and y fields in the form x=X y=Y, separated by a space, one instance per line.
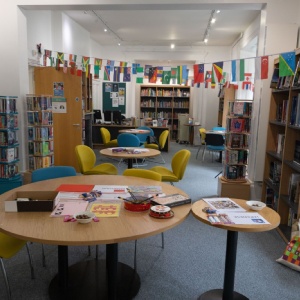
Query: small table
x=130 y=156
x=228 y=293
x=134 y=131
x=191 y=132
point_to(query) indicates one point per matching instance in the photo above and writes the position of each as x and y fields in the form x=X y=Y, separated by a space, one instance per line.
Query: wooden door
x=67 y=126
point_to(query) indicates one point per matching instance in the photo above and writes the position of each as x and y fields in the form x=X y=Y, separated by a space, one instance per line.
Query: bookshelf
x=226 y=94
x=238 y=128
x=165 y=102
x=282 y=168
x=39 y=131
x=9 y=146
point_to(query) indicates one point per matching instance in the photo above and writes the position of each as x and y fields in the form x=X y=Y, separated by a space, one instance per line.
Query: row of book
x=148 y=92
x=280 y=143
x=148 y=103
x=297 y=152
x=40 y=148
x=271 y=198
x=9 y=154
x=235 y=124
x=38 y=102
x=38 y=162
x=8 y=104
x=158 y=115
x=275 y=172
x=234 y=157
x=294 y=188
x=40 y=118
x=8 y=171
x=237 y=140
x=295 y=111
x=235 y=172
x=281 y=111
x=239 y=108
x=181 y=104
x=9 y=121
x=8 y=137
x=40 y=133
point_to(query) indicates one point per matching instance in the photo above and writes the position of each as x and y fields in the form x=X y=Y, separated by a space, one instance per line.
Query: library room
x=130 y=130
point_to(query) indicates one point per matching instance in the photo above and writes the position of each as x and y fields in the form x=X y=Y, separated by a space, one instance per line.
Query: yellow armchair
x=106 y=138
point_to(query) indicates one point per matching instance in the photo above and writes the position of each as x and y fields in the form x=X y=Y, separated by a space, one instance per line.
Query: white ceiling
x=162 y=24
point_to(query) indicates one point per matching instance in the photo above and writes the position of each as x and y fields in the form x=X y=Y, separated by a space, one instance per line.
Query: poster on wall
x=59 y=105
x=58 y=89
x=108 y=87
x=114 y=96
x=115 y=102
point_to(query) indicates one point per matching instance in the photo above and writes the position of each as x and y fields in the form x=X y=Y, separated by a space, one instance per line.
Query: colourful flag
x=139 y=74
x=152 y=74
x=238 y=70
x=185 y=75
x=217 y=72
x=106 y=75
x=247 y=83
x=72 y=67
x=57 y=64
x=97 y=67
x=72 y=57
x=110 y=63
x=287 y=64
x=122 y=65
x=207 y=78
x=79 y=70
x=146 y=71
x=127 y=74
x=199 y=73
x=173 y=75
x=179 y=74
x=166 y=75
x=134 y=66
x=65 y=68
x=159 y=71
x=261 y=67
x=117 y=74
x=60 y=57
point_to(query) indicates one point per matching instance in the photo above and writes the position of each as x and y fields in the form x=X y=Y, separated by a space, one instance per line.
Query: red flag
x=199 y=73
x=264 y=67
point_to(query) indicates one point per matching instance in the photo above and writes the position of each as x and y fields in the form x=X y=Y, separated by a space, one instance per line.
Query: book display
x=280 y=189
x=165 y=103
x=39 y=131
x=226 y=94
x=238 y=125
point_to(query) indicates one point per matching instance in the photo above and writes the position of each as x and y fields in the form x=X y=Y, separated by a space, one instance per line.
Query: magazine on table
x=223 y=205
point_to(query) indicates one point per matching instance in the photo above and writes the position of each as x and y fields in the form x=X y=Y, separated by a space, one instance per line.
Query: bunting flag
x=225 y=79
x=179 y=74
x=122 y=65
x=247 y=83
x=146 y=71
x=217 y=71
x=72 y=67
x=72 y=58
x=152 y=74
x=47 y=54
x=57 y=64
x=110 y=63
x=134 y=66
x=44 y=60
x=207 y=79
x=65 y=68
x=173 y=75
x=127 y=74
x=96 y=71
x=166 y=75
x=198 y=85
x=98 y=62
x=52 y=61
x=106 y=75
x=60 y=57
x=159 y=73
x=79 y=71
x=140 y=74
x=261 y=67
x=185 y=75
x=287 y=64
x=238 y=70
x=199 y=73
x=116 y=77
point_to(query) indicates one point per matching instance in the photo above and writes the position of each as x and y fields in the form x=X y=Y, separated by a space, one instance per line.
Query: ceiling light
x=205 y=40
x=210 y=21
x=119 y=44
x=213 y=20
x=105 y=30
x=217 y=11
x=172 y=46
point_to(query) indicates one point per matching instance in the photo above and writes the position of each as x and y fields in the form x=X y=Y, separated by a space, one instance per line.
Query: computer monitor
x=114 y=116
x=97 y=116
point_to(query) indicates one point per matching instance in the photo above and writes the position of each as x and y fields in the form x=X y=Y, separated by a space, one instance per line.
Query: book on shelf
x=293 y=183
x=275 y=172
x=239 y=108
x=271 y=198
x=280 y=143
x=236 y=157
x=234 y=172
x=171 y=200
x=235 y=140
x=295 y=111
x=237 y=125
x=281 y=111
x=296 y=80
x=296 y=158
x=275 y=79
x=297 y=193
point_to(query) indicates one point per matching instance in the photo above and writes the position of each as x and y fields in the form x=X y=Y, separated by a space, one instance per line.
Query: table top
x=192 y=125
x=40 y=227
x=134 y=131
x=223 y=132
x=123 y=154
x=269 y=214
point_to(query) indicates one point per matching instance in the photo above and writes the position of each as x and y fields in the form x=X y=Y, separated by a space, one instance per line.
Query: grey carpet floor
x=192 y=261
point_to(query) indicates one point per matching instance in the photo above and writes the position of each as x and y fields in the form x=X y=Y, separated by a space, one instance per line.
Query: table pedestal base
x=218 y=295
x=88 y=280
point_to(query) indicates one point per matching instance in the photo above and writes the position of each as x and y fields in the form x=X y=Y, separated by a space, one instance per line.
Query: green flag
x=139 y=75
x=166 y=77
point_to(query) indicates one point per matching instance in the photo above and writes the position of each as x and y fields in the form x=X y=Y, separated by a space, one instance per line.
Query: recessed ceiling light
x=119 y=44
x=213 y=20
x=105 y=30
x=217 y=11
x=172 y=46
x=205 y=41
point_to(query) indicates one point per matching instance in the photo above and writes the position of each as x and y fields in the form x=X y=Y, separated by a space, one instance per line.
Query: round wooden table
x=92 y=279
x=129 y=155
x=134 y=131
x=232 y=236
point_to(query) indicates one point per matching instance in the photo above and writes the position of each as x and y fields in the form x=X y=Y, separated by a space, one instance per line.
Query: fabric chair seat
x=105 y=168
x=152 y=146
x=215 y=148
x=112 y=144
x=166 y=175
x=11 y=245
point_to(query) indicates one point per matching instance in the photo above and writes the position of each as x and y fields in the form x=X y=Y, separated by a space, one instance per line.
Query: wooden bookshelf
x=226 y=94
x=277 y=194
x=165 y=102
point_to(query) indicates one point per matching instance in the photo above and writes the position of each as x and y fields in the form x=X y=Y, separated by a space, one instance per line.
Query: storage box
x=39 y=201
x=237 y=190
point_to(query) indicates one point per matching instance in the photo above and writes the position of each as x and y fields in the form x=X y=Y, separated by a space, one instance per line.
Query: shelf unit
x=280 y=157
x=226 y=94
x=238 y=127
x=165 y=102
x=39 y=131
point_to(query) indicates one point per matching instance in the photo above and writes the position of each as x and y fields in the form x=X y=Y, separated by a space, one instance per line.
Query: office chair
x=51 y=173
x=161 y=144
x=106 y=138
x=143 y=136
x=87 y=159
x=213 y=142
x=178 y=165
x=202 y=133
x=10 y=246
x=142 y=173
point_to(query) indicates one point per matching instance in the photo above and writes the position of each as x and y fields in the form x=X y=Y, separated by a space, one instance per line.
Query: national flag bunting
x=140 y=74
x=217 y=71
x=261 y=67
x=166 y=75
x=122 y=65
x=179 y=74
x=134 y=66
x=207 y=79
x=247 y=83
x=72 y=67
x=65 y=68
x=127 y=74
x=60 y=57
x=106 y=75
x=287 y=64
x=152 y=74
x=173 y=75
x=185 y=75
x=116 y=74
x=238 y=70
x=146 y=71
x=199 y=73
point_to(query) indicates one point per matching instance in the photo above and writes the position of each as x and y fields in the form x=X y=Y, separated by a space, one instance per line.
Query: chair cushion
x=105 y=168
x=112 y=143
x=152 y=146
x=166 y=175
x=215 y=148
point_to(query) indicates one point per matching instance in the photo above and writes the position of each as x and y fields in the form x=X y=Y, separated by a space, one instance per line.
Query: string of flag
x=121 y=71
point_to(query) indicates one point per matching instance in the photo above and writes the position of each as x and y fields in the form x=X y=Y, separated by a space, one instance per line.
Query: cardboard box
x=39 y=201
x=234 y=189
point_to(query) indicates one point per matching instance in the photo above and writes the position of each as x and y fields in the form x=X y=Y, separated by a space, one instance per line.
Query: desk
x=191 y=132
x=228 y=293
x=134 y=131
x=130 y=156
x=92 y=279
